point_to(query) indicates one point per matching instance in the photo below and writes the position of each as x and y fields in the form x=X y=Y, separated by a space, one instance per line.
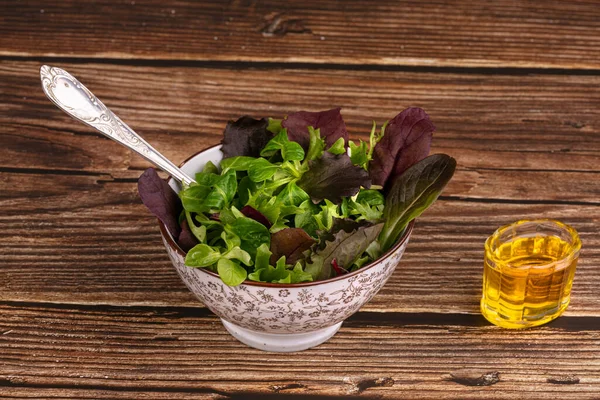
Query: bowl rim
x=175 y=247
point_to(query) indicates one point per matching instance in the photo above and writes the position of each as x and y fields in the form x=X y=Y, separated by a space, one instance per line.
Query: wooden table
x=90 y=307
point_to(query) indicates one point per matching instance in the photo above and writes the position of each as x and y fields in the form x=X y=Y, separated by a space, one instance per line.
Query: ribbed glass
x=528 y=272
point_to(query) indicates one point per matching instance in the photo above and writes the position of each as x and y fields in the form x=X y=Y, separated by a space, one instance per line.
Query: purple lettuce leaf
x=291 y=243
x=186 y=239
x=256 y=215
x=330 y=123
x=406 y=141
x=161 y=200
x=245 y=137
x=333 y=177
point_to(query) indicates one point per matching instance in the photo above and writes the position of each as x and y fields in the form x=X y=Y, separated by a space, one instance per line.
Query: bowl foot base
x=281 y=342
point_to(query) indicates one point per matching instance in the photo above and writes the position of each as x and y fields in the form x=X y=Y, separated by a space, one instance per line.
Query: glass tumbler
x=528 y=272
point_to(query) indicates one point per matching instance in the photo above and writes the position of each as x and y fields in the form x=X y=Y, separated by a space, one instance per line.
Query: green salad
x=295 y=200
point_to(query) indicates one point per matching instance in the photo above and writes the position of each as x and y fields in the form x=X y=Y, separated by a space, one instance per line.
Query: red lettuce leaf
x=406 y=141
x=256 y=215
x=333 y=177
x=291 y=243
x=330 y=123
x=245 y=137
x=186 y=239
x=161 y=200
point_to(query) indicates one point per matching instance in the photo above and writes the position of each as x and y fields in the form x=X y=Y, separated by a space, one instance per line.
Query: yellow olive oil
x=527 y=280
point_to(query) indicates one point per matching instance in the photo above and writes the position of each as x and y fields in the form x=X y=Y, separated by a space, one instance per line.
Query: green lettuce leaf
x=210 y=168
x=298 y=275
x=412 y=193
x=231 y=272
x=370 y=197
x=222 y=193
x=292 y=195
x=316 y=145
x=305 y=218
x=338 y=147
x=367 y=205
x=238 y=163
x=265 y=204
x=199 y=232
x=193 y=197
x=274 y=126
x=209 y=223
x=290 y=151
x=202 y=255
x=363 y=211
x=245 y=188
x=251 y=233
x=329 y=212
x=207 y=179
x=210 y=194
x=237 y=253
x=261 y=170
x=282 y=223
x=263 y=256
x=277 y=274
x=358 y=153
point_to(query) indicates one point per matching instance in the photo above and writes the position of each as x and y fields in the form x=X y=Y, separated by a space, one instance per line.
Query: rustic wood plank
x=537 y=135
x=68 y=196
x=74 y=231
x=460 y=33
x=101 y=246
x=173 y=351
x=97 y=393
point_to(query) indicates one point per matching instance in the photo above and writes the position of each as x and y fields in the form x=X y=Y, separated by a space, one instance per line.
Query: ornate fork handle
x=76 y=100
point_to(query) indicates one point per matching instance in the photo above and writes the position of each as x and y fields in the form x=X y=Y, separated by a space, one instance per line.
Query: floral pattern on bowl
x=275 y=316
x=287 y=309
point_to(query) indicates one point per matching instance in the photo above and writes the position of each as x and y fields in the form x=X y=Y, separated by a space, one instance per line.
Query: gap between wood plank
x=514 y=201
x=167 y=63
x=360 y=319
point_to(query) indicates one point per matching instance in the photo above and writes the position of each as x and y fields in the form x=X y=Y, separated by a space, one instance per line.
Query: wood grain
x=77 y=232
x=90 y=307
x=462 y=33
x=111 y=253
x=538 y=135
x=173 y=352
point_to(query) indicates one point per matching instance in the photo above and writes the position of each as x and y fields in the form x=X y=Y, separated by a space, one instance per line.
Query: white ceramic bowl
x=281 y=317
